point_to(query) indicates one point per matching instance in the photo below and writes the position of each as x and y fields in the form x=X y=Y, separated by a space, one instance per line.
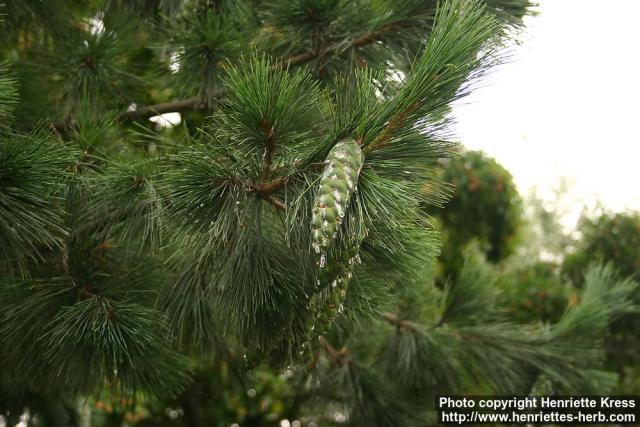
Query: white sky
x=566 y=105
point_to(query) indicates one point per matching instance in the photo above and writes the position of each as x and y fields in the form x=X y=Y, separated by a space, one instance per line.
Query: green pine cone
x=337 y=185
x=335 y=267
x=333 y=282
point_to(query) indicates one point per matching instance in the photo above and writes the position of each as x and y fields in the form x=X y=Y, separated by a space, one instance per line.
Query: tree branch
x=269 y=187
x=399 y=323
x=363 y=40
x=387 y=133
x=191 y=104
x=195 y=104
x=338 y=356
x=276 y=202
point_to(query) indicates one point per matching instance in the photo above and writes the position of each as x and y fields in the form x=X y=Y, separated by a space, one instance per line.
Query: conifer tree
x=280 y=227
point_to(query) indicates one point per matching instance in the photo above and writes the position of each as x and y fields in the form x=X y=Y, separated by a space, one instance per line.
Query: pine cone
x=335 y=268
x=337 y=185
x=335 y=277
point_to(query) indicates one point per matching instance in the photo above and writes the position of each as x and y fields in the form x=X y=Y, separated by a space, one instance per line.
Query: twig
x=265 y=191
x=265 y=188
x=383 y=138
x=338 y=356
x=270 y=148
x=191 y=104
x=357 y=42
x=279 y=204
x=399 y=323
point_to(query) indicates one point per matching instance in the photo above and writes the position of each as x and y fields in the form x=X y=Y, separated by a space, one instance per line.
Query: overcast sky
x=566 y=105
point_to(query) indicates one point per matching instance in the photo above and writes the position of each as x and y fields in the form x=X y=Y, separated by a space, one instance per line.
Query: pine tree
x=280 y=228
x=484 y=209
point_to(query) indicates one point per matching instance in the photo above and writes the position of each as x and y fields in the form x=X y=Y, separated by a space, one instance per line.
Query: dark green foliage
x=612 y=237
x=460 y=49
x=32 y=182
x=8 y=96
x=85 y=321
x=201 y=44
x=270 y=112
x=88 y=68
x=355 y=389
x=535 y=292
x=220 y=394
x=38 y=18
x=307 y=24
x=126 y=189
x=485 y=208
x=219 y=186
x=126 y=345
x=606 y=297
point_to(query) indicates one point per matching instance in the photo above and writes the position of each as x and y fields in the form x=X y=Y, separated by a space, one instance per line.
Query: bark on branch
x=191 y=104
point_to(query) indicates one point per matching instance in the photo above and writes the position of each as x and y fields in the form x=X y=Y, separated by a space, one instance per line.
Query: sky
x=566 y=104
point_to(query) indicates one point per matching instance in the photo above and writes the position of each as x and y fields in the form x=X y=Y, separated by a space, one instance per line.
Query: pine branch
x=266 y=188
x=399 y=323
x=337 y=356
x=33 y=174
x=276 y=202
x=196 y=104
x=387 y=133
x=462 y=46
x=360 y=41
